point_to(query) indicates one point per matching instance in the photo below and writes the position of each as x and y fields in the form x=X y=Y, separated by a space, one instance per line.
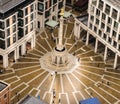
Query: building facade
x=19 y=21
x=4 y=93
x=103 y=24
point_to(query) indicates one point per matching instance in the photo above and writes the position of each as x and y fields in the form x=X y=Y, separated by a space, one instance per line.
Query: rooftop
x=31 y=100
x=2 y=86
x=6 y=5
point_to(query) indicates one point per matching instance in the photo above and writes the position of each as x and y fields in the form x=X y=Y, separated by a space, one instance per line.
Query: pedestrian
x=53 y=101
x=59 y=100
x=108 y=83
x=54 y=94
x=55 y=73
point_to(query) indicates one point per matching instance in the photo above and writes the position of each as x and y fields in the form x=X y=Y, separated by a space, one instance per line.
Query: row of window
x=104 y=18
x=47 y=5
x=12 y=19
x=103 y=24
x=107 y=9
x=108 y=29
x=12 y=38
x=13 y=29
x=105 y=36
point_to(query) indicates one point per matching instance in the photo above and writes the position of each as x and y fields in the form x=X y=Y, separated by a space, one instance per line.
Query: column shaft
x=105 y=53
x=115 y=61
x=96 y=45
x=5 y=60
x=87 y=38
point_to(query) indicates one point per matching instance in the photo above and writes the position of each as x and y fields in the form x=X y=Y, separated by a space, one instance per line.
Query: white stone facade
x=19 y=28
x=104 y=25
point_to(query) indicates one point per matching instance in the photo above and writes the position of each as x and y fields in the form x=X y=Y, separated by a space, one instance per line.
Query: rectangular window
x=109 y=20
x=115 y=44
x=97 y=12
x=109 y=40
x=14 y=28
x=14 y=19
x=107 y=9
x=54 y=1
x=108 y=29
x=8 y=32
x=92 y=18
x=20 y=13
x=20 y=22
x=20 y=33
x=2 y=25
x=40 y=7
x=32 y=8
x=60 y=5
x=7 y=22
x=97 y=21
x=31 y=26
x=26 y=20
x=95 y=29
x=47 y=13
x=8 y=42
x=114 y=13
x=2 y=34
x=2 y=44
x=104 y=36
x=26 y=30
x=119 y=37
x=31 y=17
x=103 y=16
x=26 y=11
x=114 y=33
x=115 y=25
x=100 y=4
x=14 y=38
x=102 y=25
x=99 y=33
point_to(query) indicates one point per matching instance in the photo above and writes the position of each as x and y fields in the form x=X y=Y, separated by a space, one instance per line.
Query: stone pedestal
x=59 y=57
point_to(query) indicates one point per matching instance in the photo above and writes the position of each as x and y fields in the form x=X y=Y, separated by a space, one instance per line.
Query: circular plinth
x=48 y=65
x=59 y=57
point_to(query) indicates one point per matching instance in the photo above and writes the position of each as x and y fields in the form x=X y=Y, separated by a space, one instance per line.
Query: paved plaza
x=92 y=78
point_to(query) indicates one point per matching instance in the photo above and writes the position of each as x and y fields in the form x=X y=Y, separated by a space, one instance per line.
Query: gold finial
x=62 y=12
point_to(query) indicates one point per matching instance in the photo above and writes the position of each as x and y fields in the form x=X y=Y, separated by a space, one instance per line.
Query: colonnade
x=16 y=50
x=78 y=26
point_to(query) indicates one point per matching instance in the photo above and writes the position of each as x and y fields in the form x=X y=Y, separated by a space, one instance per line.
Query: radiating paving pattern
x=90 y=79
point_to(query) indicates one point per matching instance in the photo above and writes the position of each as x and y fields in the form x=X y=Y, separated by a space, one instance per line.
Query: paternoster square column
x=59 y=55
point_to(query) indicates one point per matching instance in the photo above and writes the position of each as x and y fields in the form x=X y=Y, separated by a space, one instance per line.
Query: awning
x=52 y=23
x=67 y=14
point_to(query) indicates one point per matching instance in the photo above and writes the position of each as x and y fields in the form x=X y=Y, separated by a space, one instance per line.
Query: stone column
x=34 y=38
x=96 y=45
x=87 y=38
x=77 y=29
x=5 y=60
x=23 y=51
x=105 y=53
x=17 y=53
x=115 y=61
